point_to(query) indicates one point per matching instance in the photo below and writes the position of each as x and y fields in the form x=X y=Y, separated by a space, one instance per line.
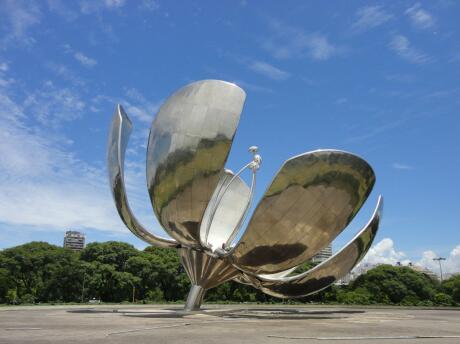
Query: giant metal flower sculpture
x=202 y=206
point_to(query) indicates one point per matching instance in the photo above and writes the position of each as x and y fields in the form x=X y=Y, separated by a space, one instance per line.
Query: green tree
x=451 y=287
x=394 y=284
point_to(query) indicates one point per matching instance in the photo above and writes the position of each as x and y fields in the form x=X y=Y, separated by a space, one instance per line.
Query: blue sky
x=380 y=79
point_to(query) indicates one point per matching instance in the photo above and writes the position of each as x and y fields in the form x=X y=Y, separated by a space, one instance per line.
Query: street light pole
x=439 y=259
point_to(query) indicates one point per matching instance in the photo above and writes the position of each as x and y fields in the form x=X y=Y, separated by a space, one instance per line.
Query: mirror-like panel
x=232 y=201
x=118 y=140
x=189 y=143
x=311 y=200
x=204 y=270
x=326 y=273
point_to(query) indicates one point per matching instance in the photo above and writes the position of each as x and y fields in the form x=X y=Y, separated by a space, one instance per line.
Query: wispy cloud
x=84 y=60
x=90 y=6
x=45 y=186
x=399 y=166
x=369 y=17
x=65 y=73
x=375 y=131
x=53 y=105
x=137 y=106
x=18 y=17
x=288 y=42
x=79 y=56
x=341 y=100
x=419 y=17
x=268 y=70
x=403 y=48
x=3 y=67
x=404 y=78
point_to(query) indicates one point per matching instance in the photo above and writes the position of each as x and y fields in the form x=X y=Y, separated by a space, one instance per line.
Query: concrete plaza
x=129 y=324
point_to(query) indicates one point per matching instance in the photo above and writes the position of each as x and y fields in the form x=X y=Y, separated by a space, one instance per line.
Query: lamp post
x=439 y=259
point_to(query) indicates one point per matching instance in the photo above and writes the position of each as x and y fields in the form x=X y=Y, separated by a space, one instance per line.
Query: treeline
x=117 y=272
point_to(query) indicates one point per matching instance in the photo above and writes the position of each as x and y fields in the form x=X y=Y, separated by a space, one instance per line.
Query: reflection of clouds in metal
x=311 y=200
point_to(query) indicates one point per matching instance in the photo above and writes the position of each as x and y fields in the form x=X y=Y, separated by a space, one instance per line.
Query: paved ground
x=227 y=324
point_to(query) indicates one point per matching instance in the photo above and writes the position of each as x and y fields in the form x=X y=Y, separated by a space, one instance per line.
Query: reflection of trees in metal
x=311 y=200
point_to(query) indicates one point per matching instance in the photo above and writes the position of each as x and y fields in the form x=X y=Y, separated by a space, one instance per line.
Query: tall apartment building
x=322 y=255
x=74 y=240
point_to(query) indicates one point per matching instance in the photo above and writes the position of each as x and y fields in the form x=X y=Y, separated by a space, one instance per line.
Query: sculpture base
x=194 y=298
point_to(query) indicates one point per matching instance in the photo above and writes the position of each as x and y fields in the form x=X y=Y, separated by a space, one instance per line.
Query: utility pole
x=134 y=289
x=439 y=259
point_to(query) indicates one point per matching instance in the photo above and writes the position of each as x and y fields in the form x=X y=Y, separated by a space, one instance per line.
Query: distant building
x=424 y=271
x=322 y=255
x=355 y=273
x=74 y=240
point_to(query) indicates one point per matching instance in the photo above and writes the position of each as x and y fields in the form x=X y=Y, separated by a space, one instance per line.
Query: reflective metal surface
x=118 y=140
x=311 y=200
x=204 y=272
x=202 y=206
x=228 y=212
x=189 y=142
x=326 y=273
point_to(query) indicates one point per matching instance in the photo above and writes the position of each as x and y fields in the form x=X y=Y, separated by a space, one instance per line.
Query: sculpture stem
x=194 y=298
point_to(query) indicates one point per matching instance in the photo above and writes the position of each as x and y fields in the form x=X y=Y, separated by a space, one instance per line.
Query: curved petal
x=310 y=201
x=118 y=140
x=204 y=270
x=189 y=143
x=326 y=273
x=229 y=211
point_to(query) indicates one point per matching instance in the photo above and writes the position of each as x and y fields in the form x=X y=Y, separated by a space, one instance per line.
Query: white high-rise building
x=74 y=240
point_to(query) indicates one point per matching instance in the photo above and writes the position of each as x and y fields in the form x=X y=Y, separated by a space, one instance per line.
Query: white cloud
x=42 y=184
x=288 y=42
x=450 y=265
x=369 y=17
x=85 y=60
x=384 y=252
x=4 y=80
x=402 y=46
x=51 y=105
x=419 y=17
x=45 y=186
x=89 y=6
x=341 y=100
x=18 y=17
x=268 y=70
x=65 y=73
x=137 y=106
x=114 y=3
x=150 y=5
x=399 y=166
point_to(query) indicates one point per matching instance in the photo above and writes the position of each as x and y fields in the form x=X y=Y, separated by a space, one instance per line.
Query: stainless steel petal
x=228 y=213
x=311 y=200
x=118 y=140
x=206 y=271
x=189 y=142
x=326 y=273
